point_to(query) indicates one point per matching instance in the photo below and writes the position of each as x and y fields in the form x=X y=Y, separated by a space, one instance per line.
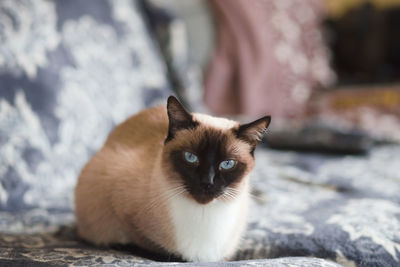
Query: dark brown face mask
x=206 y=163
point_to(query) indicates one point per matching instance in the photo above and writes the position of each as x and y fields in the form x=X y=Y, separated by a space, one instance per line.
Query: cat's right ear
x=179 y=118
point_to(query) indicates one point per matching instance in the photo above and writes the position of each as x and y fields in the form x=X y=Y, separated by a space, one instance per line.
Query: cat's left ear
x=252 y=132
x=179 y=118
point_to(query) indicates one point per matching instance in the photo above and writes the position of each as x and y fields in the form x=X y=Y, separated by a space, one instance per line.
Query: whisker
x=235 y=192
x=228 y=194
x=166 y=195
x=176 y=194
x=224 y=197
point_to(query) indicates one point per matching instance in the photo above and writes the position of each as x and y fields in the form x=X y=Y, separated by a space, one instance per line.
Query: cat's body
x=139 y=189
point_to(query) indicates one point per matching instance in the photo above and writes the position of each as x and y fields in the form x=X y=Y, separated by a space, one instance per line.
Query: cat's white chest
x=202 y=232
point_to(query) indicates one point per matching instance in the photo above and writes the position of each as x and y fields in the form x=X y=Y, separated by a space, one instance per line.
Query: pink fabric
x=269 y=56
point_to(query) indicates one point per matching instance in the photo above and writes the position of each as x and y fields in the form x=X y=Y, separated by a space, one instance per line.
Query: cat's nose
x=208 y=180
x=207 y=185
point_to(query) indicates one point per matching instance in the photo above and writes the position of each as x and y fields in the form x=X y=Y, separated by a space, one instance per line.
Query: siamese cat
x=170 y=181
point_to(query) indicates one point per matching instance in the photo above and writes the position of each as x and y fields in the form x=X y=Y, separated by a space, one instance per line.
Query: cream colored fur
x=208 y=232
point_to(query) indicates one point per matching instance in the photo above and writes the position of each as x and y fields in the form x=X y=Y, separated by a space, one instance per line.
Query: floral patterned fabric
x=70 y=70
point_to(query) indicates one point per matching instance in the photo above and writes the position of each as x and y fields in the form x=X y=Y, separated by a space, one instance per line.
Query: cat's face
x=210 y=156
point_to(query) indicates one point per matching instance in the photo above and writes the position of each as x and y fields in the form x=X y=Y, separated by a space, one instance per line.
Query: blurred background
x=327 y=71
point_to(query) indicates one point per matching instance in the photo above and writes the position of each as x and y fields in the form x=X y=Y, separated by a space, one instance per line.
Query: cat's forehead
x=218 y=137
x=206 y=140
x=215 y=122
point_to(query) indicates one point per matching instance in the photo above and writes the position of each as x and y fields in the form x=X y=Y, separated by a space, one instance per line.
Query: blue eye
x=191 y=158
x=227 y=164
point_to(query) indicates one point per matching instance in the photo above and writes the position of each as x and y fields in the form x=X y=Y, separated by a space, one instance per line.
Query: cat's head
x=211 y=157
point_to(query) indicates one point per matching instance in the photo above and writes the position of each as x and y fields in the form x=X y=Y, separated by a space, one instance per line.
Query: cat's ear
x=252 y=132
x=179 y=118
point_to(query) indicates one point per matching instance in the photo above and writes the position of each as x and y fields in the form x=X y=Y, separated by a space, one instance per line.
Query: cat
x=172 y=181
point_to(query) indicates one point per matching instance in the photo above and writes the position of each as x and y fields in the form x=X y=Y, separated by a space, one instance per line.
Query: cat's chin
x=205 y=198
